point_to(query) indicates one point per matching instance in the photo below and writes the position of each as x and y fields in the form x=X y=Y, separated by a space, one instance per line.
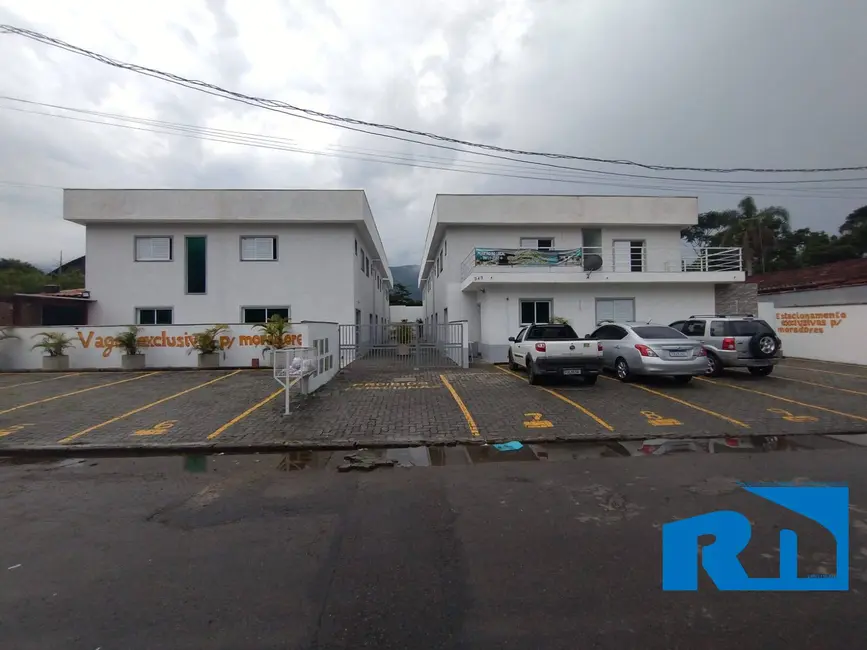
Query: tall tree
x=756 y=231
x=400 y=295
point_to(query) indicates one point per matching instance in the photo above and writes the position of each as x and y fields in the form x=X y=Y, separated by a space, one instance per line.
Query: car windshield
x=748 y=327
x=658 y=332
x=551 y=333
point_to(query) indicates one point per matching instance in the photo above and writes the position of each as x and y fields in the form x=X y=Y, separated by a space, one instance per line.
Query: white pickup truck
x=555 y=350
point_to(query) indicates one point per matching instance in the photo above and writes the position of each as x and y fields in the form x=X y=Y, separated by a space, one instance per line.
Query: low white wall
x=824 y=333
x=168 y=346
x=398 y=312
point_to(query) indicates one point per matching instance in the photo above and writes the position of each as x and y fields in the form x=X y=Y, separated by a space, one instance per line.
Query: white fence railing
x=617 y=259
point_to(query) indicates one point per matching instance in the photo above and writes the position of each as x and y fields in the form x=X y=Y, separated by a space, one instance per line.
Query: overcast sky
x=758 y=83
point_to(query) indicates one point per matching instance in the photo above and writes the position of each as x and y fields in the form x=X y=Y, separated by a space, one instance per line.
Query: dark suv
x=735 y=341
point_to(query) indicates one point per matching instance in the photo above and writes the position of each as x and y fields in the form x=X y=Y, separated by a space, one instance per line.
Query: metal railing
x=399 y=345
x=293 y=367
x=590 y=259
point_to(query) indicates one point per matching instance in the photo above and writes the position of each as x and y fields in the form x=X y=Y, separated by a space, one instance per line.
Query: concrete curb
x=207 y=448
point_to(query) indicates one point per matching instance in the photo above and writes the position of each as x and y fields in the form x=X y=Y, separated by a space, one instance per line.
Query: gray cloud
x=772 y=84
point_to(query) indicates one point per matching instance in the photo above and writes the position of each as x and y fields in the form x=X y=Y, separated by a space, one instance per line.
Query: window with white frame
x=153 y=249
x=615 y=309
x=153 y=315
x=258 y=249
x=263 y=314
x=535 y=311
x=539 y=244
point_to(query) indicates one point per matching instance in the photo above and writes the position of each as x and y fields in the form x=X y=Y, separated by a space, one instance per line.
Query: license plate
x=573 y=371
x=678 y=353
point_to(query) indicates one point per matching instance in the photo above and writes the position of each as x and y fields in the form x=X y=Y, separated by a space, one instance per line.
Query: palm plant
x=756 y=231
x=274 y=332
x=128 y=339
x=208 y=341
x=54 y=343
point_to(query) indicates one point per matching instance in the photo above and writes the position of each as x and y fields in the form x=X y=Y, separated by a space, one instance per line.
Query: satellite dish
x=592 y=262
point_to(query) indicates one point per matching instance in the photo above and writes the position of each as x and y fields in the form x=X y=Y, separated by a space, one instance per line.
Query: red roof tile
x=846 y=273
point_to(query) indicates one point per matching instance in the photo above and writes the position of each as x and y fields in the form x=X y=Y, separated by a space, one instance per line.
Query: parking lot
x=375 y=406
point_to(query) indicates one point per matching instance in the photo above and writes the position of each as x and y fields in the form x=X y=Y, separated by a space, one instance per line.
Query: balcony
x=486 y=266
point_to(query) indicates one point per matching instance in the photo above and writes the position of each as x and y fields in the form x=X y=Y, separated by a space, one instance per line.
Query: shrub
x=54 y=343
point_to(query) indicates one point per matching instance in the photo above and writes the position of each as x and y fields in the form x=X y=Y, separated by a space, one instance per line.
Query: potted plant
x=274 y=335
x=560 y=320
x=403 y=334
x=55 y=344
x=133 y=359
x=207 y=344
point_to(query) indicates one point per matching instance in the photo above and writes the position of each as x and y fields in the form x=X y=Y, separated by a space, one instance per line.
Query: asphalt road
x=138 y=553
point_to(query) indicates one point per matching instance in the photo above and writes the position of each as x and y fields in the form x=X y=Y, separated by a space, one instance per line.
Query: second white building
x=504 y=261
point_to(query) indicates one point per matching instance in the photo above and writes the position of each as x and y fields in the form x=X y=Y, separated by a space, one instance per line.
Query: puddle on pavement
x=440 y=456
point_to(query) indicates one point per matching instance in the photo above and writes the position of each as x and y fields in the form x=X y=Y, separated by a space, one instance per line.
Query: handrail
x=598 y=259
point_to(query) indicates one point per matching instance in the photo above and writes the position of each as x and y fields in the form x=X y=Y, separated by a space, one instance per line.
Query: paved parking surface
x=370 y=405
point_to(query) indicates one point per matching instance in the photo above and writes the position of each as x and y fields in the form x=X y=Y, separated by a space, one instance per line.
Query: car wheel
x=764 y=346
x=590 y=380
x=532 y=376
x=512 y=365
x=682 y=379
x=761 y=372
x=621 y=369
x=714 y=367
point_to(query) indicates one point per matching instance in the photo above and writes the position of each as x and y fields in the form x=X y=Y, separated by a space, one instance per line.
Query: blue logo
x=826 y=505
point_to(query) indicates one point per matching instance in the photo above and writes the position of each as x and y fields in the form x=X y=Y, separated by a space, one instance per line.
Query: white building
x=230 y=256
x=503 y=261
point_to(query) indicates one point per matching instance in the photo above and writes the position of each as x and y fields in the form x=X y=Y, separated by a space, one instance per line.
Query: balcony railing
x=627 y=259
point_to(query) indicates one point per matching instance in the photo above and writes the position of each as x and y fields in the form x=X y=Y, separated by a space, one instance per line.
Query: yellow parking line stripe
x=471 y=423
x=785 y=399
x=689 y=404
x=584 y=410
x=77 y=392
x=812 y=383
x=240 y=417
x=40 y=381
x=74 y=436
x=825 y=372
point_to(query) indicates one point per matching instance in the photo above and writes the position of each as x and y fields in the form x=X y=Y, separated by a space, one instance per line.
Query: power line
x=411 y=156
x=278 y=144
x=344 y=122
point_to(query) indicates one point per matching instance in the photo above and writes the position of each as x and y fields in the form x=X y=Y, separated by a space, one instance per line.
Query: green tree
x=400 y=295
x=757 y=232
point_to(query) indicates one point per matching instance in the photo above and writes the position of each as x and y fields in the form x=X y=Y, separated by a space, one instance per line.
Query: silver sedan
x=631 y=349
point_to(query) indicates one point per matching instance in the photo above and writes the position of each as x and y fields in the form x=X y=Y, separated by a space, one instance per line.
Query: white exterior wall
x=317 y=273
x=311 y=274
x=500 y=316
x=461 y=240
x=822 y=332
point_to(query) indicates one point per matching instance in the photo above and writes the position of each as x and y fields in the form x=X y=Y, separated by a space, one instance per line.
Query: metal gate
x=403 y=345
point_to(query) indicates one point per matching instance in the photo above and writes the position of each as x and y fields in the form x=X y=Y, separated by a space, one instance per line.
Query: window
x=628 y=256
x=263 y=314
x=445 y=247
x=615 y=309
x=694 y=328
x=153 y=315
x=258 y=249
x=367 y=266
x=658 y=332
x=538 y=244
x=376 y=320
x=362 y=260
x=551 y=333
x=535 y=311
x=748 y=328
x=378 y=283
x=197 y=264
x=153 y=249
x=717 y=328
x=678 y=325
x=592 y=238
x=520 y=335
x=609 y=333
x=356 y=248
